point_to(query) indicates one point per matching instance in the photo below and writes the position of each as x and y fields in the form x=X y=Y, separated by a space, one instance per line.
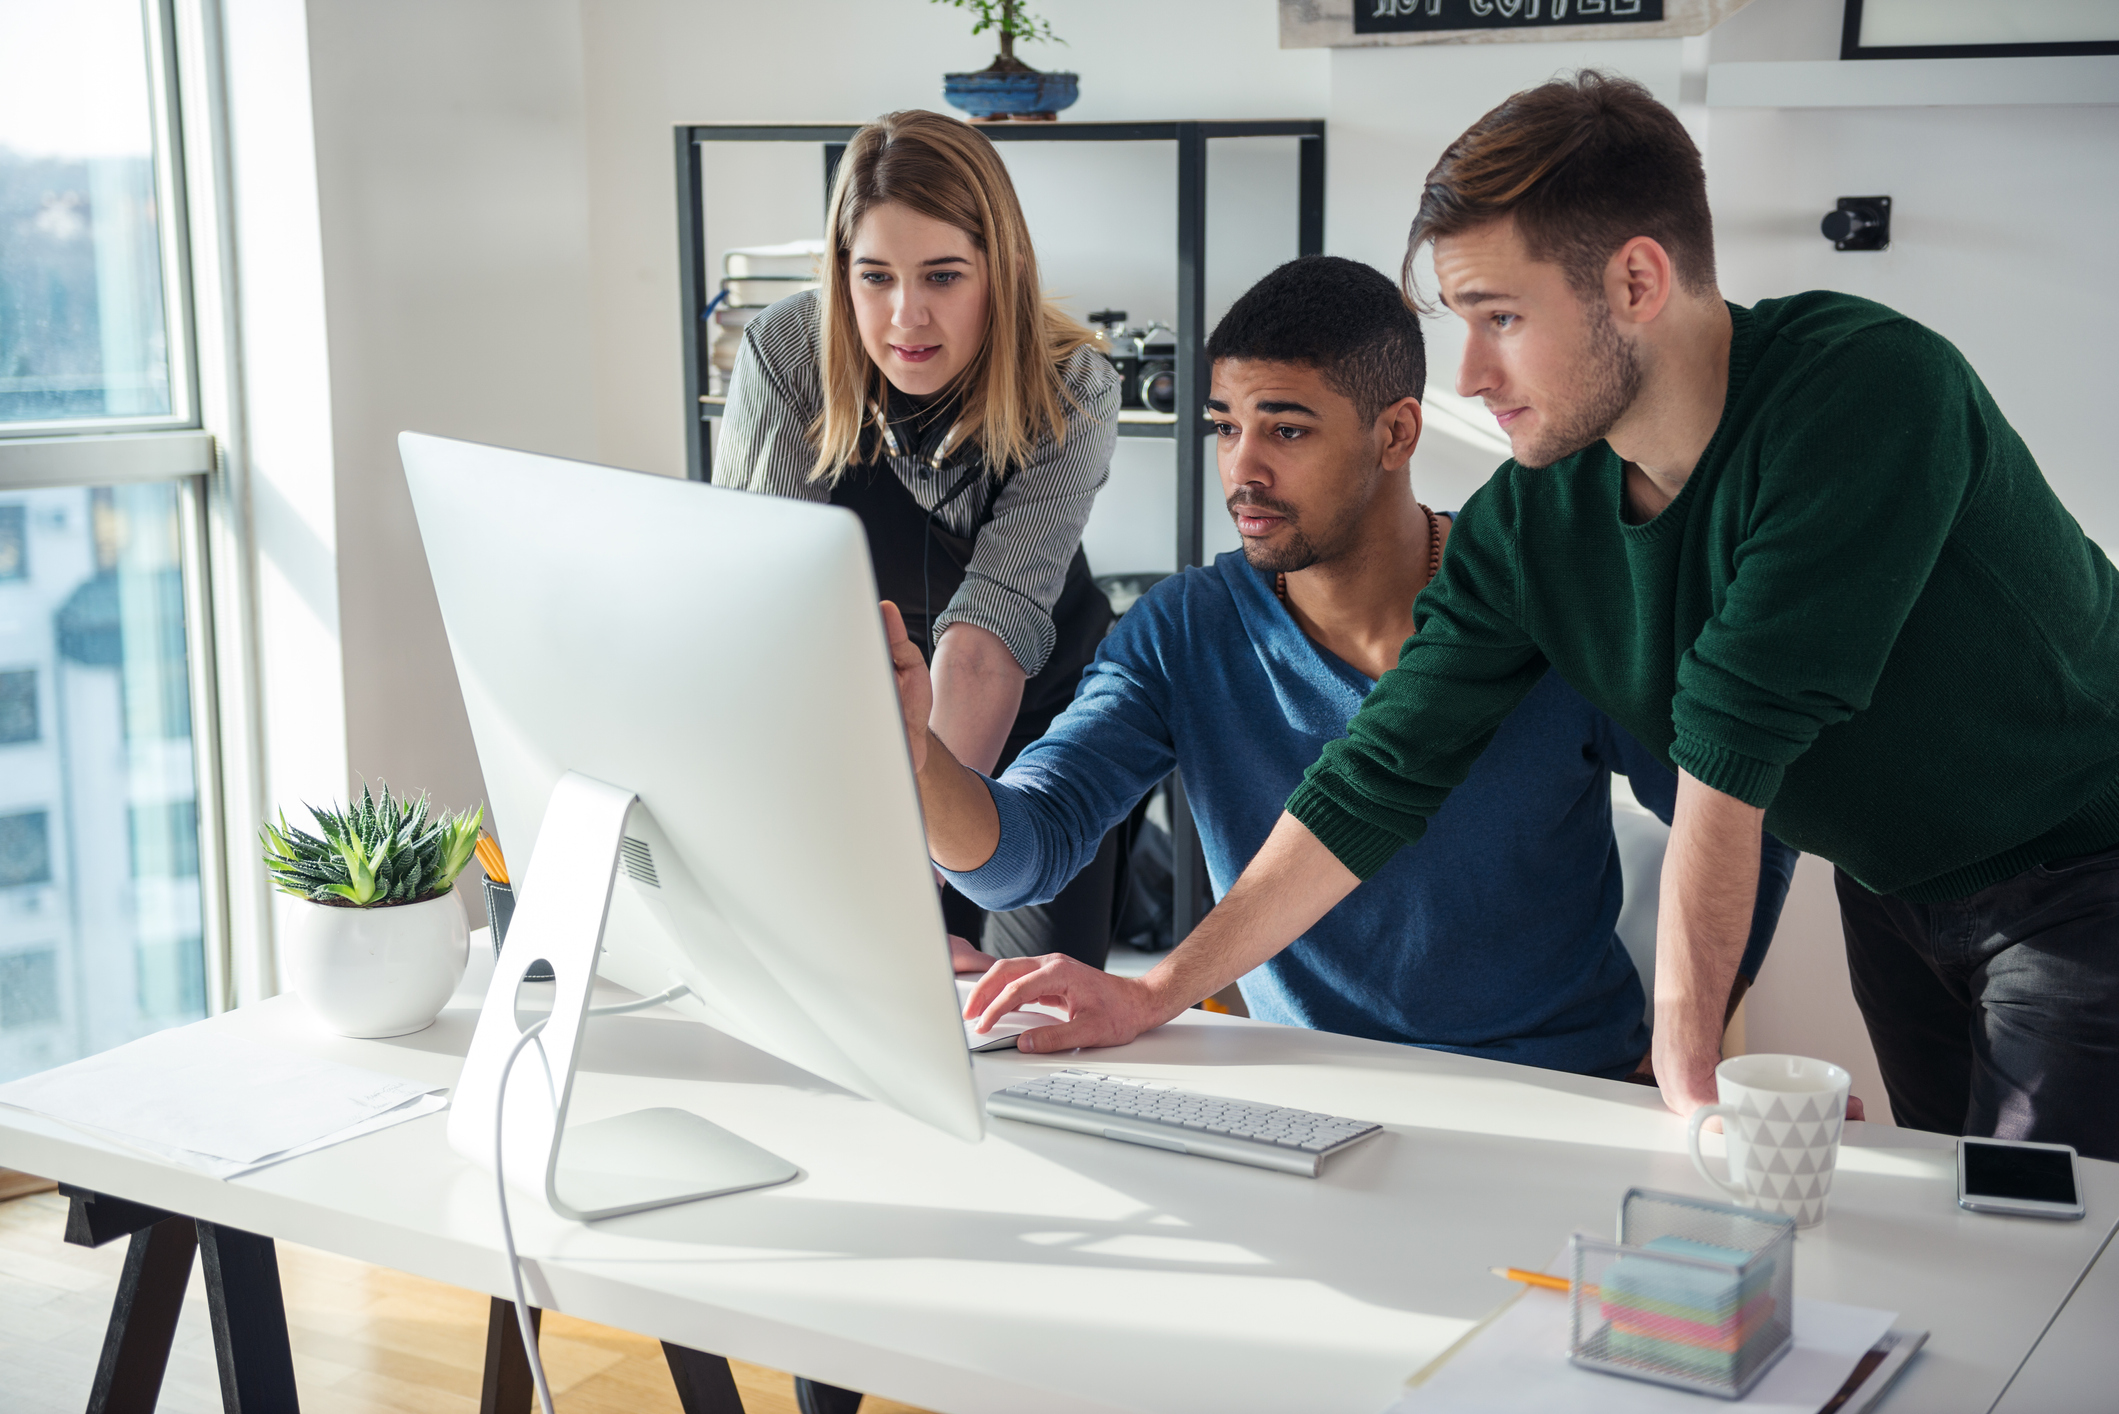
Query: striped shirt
x=1020 y=558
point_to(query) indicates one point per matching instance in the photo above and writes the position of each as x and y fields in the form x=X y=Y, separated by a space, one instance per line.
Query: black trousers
x=1997 y=1014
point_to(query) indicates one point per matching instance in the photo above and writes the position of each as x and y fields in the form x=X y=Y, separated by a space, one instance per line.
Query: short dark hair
x=1340 y=317
x=1584 y=165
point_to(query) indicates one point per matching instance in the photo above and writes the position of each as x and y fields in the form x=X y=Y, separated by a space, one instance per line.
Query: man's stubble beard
x=1296 y=552
x=1609 y=374
x=1300 y=551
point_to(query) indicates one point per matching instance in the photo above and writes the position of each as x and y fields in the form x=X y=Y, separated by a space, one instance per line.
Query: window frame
x=172 y=230
x=185 y=461
x=181 y=448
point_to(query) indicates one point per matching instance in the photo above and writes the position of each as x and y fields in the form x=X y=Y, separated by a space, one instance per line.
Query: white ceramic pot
x=376 y=971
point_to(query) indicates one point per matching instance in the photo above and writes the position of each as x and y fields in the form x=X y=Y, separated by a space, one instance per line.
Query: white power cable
x=500 y=1180
x=621 y=1008
x=507 y=1231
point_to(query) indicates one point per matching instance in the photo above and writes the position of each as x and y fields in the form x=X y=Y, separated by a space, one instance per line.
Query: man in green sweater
x=1798 y=552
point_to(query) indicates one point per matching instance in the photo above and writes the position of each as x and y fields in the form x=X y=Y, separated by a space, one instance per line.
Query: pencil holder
x=500 y=911
x=1693 y=1294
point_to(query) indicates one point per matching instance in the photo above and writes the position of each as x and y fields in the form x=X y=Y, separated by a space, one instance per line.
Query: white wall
x=1999 y=225
x=407 y=207
x=277 y=430
x=453 y=184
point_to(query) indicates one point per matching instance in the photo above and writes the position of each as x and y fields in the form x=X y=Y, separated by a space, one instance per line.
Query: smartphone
x=2015 y=1176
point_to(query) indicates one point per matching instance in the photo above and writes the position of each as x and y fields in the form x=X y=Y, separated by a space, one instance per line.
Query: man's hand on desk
x=1645 y=1075
x=1291 y=882
x=1102 y=1009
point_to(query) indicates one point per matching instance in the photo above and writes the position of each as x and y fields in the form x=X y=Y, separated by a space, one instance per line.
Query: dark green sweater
x=1866 y=612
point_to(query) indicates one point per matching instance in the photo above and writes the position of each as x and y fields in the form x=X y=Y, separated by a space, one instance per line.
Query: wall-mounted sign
x=1401 y=16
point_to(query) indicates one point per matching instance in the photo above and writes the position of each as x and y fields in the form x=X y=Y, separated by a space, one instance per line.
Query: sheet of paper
x=198 y=1091
x=1518 y=1365
x=236 y=1168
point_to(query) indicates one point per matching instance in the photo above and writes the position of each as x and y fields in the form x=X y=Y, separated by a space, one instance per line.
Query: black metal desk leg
x=507 y=1388
x=815 y=1397
x=249 y=1321
x=704 y=1382
x=143 y=1318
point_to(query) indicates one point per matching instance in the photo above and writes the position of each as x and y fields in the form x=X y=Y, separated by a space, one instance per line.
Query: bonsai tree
x=373 y=854
x=1012 y=22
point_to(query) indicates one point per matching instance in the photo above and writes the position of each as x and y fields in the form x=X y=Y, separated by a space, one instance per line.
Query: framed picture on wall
x=1978 y=29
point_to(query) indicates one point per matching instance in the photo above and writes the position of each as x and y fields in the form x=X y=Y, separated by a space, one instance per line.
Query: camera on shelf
x=1146 y=360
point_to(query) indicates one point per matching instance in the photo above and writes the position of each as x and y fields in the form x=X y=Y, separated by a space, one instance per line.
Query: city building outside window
x=107 y=875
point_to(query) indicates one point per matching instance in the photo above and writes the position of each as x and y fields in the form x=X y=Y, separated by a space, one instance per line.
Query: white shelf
x=1913 y=83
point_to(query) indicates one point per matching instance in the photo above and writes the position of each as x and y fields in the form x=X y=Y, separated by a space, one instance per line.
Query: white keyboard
x=1165 y=1117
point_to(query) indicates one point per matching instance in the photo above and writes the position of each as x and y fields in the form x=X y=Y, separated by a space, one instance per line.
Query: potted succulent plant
x=379 y=940
x=1008 y=88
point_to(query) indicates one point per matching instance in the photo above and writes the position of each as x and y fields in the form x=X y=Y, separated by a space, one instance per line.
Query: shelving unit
x=1191 y=139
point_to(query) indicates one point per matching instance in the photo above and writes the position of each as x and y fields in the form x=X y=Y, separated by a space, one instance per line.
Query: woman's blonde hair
x=1012 y=389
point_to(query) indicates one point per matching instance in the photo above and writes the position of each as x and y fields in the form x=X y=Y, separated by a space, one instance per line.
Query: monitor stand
x=644 y=1159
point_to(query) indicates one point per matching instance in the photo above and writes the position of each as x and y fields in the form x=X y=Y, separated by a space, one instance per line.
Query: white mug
x=1782 y=1117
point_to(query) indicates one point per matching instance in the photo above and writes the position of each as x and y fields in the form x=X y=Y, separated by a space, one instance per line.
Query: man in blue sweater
x=1495 y=936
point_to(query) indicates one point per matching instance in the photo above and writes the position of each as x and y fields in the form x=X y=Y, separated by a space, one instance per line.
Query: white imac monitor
x=682 y=702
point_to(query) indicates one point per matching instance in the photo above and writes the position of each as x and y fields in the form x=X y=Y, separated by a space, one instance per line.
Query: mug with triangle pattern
x=1782 y=1117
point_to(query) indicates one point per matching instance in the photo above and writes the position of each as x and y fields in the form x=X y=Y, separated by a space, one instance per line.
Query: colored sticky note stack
x=1689 y=1319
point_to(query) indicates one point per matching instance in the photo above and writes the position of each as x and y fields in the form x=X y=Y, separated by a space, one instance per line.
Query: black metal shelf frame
x=1191 y=139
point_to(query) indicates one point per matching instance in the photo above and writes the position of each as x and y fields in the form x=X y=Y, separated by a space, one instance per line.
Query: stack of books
x=753 y=277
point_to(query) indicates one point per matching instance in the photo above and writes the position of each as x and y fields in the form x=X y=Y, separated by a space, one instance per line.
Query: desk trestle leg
x=705 y=1384
x=242 y=1297
x=816 y=1397
x=249 y=1321
x=507 y=1388
x=143 y=1318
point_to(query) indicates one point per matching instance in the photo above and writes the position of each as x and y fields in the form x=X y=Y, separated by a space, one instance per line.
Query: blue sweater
x=1493 y=936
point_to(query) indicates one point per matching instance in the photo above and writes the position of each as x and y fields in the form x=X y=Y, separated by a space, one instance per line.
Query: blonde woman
x=931 y=389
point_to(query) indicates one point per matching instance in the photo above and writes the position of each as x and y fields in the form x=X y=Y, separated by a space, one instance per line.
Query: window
x=25 y=849
x=87 y=330
x=14 y=542
x=18 y=707
x=99 y=819
x=165 y=840
x=29 y=989
x=109 y=916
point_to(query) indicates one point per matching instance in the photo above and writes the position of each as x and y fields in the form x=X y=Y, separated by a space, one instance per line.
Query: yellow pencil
x=489 y=859
x=1550 y=1283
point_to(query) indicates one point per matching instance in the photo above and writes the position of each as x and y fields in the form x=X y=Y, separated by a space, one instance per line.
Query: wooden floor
x=366 y=1340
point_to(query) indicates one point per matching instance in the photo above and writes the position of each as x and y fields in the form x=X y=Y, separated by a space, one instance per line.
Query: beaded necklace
x=1434 y=556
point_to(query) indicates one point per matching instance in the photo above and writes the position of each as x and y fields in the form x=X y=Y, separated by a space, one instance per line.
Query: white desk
x=2075 y=1367
x=1043 y=1270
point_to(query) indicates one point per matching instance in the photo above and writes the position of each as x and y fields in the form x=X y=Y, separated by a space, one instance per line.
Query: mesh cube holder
x=1694 y=1294
x=500 y=911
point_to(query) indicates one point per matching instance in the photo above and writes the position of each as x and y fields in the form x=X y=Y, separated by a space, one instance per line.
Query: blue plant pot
x=990 y=95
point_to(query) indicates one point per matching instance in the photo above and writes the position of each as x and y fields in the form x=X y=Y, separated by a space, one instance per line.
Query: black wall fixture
x=1859 y=223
